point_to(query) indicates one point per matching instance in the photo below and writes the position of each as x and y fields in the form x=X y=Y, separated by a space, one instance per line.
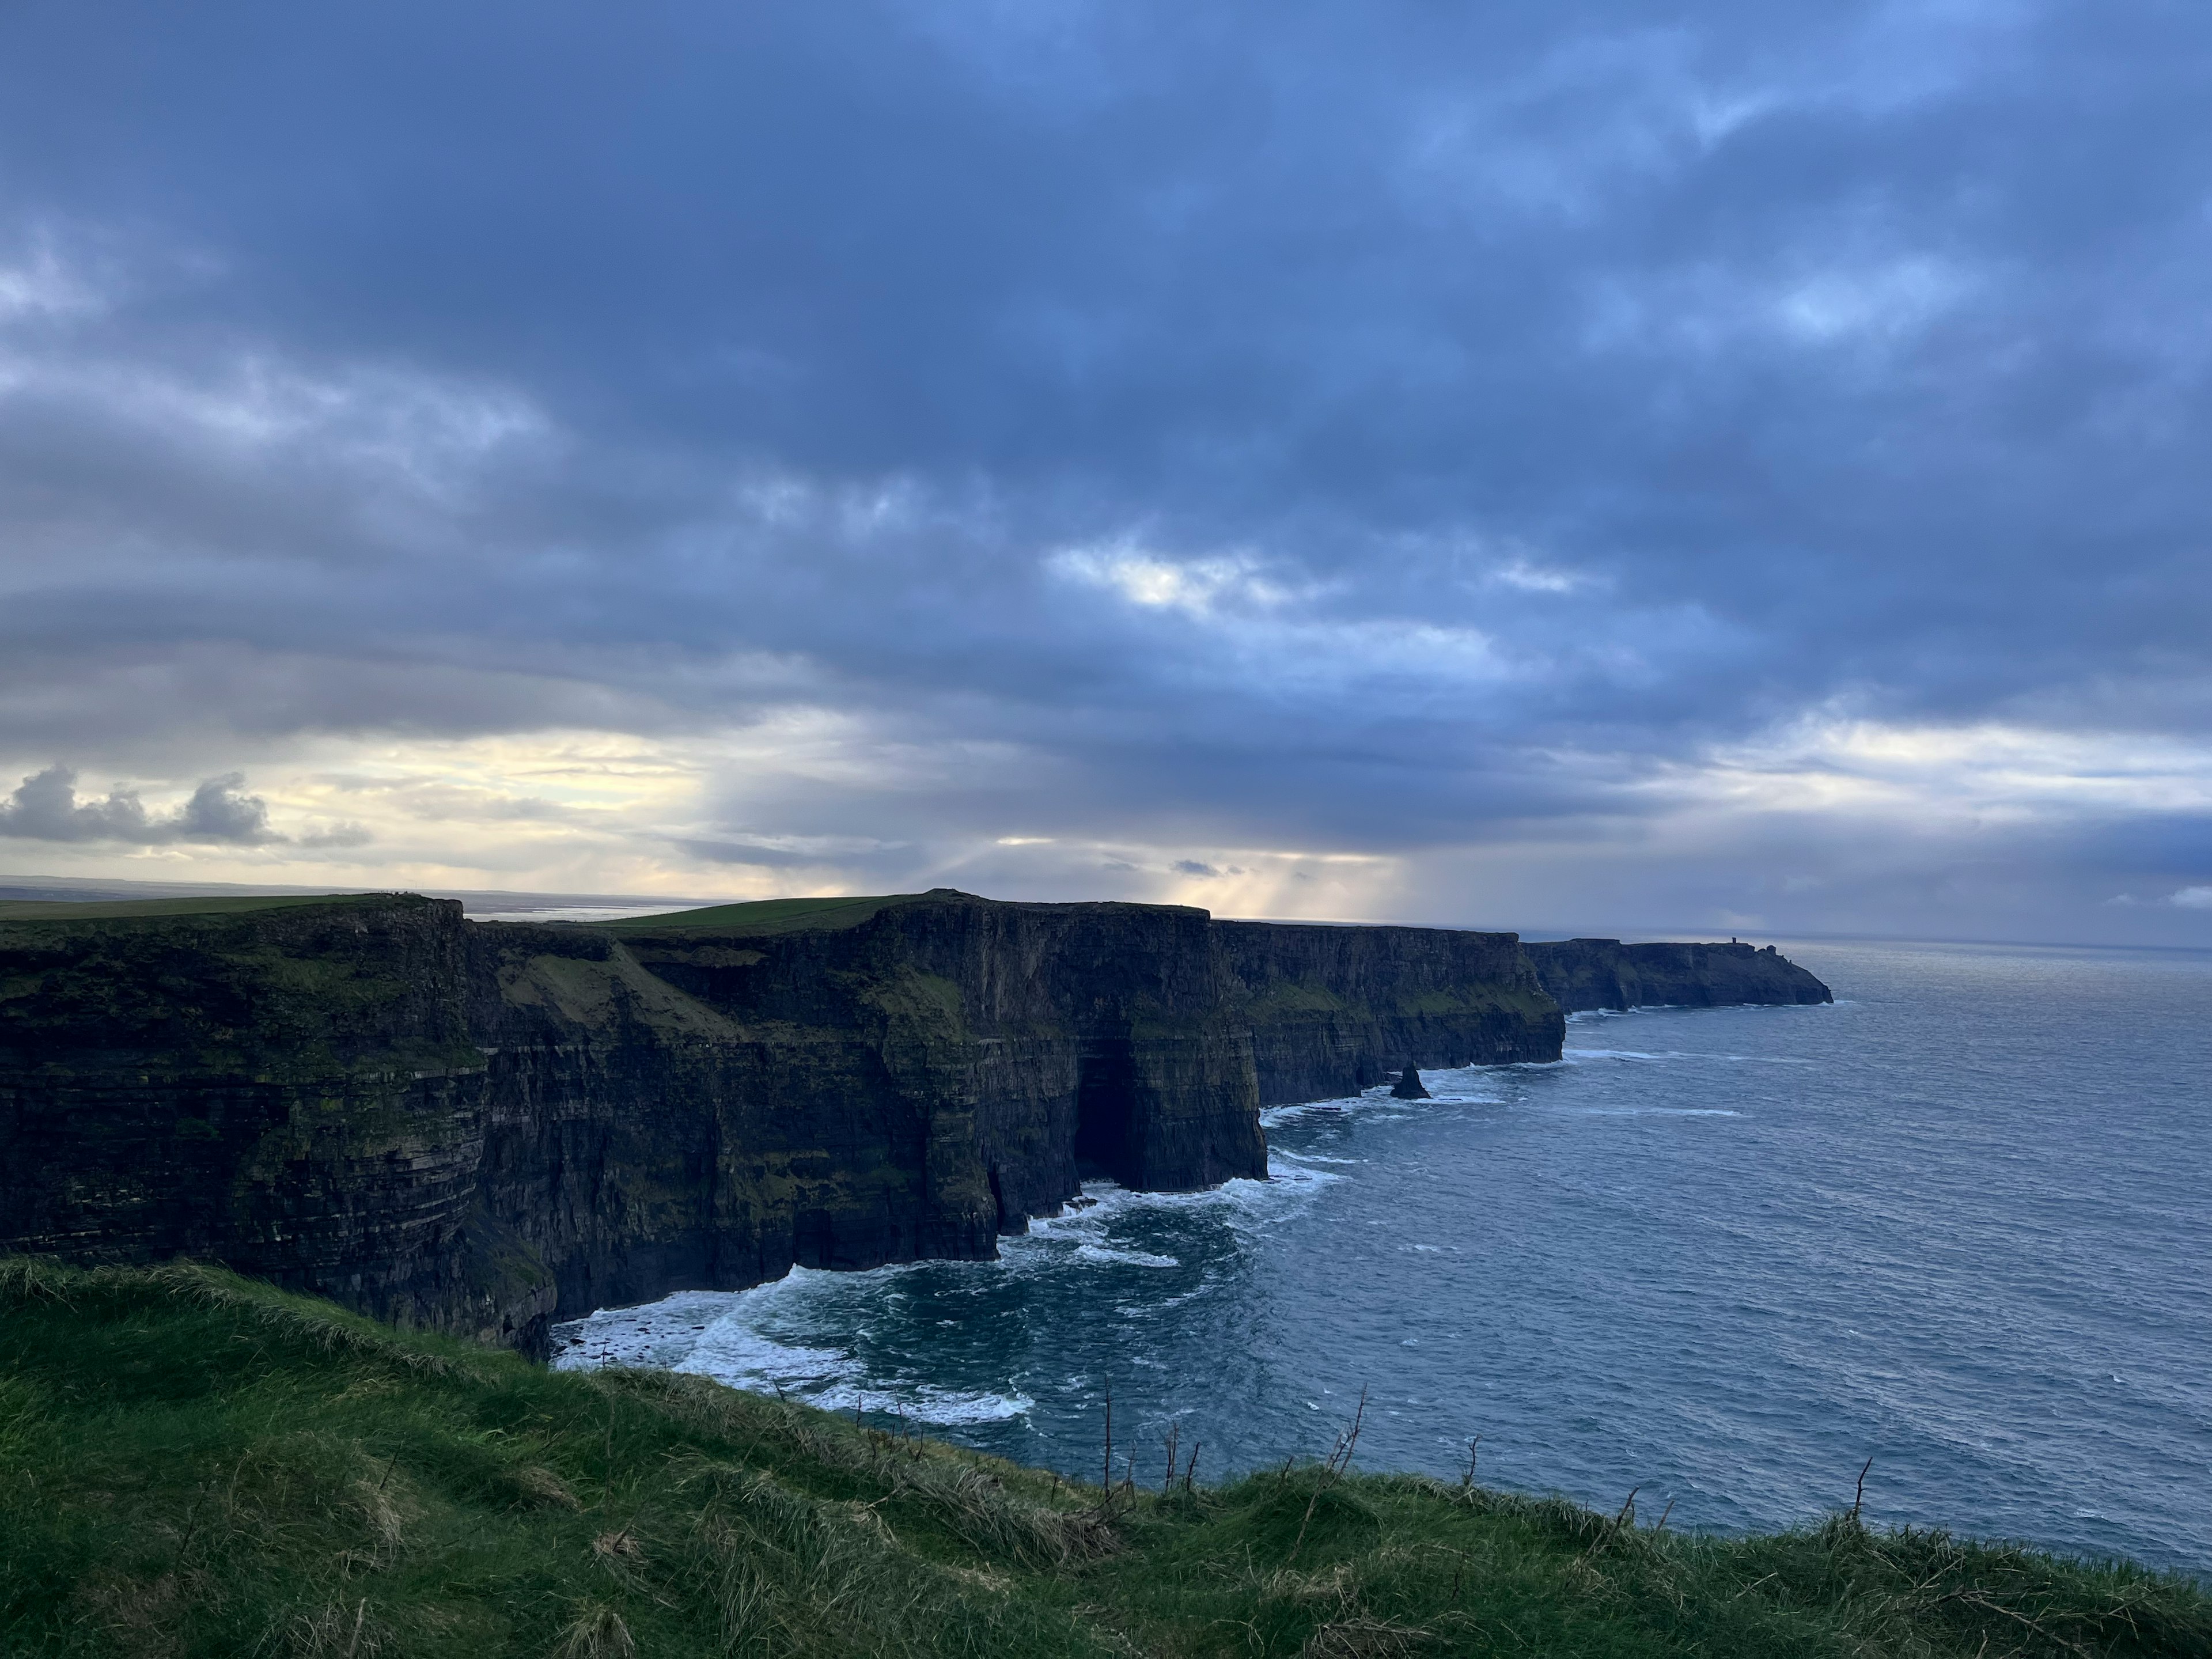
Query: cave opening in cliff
x=1105 y=1112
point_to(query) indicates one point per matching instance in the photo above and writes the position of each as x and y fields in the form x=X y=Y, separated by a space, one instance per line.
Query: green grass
x=137 y=909
x=192 y=1464
x=763 y=915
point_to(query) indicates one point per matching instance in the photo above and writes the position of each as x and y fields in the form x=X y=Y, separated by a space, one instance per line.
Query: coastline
x=486 y=1127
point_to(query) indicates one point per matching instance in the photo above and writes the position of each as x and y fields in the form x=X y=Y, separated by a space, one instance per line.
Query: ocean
x=1956 y=1223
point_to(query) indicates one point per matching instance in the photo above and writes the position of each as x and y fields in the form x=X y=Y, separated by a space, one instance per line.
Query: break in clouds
x=1727 y=467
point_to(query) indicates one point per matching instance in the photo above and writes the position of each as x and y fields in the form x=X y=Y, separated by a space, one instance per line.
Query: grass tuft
x=597 y=1633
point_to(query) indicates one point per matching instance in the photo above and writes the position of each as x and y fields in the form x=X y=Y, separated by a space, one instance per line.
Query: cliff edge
x=481 y=1127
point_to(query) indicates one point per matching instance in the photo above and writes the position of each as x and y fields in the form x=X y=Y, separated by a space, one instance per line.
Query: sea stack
x=1409 y=1086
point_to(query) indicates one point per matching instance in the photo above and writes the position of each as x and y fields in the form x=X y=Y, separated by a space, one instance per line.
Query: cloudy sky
x=1634 y=467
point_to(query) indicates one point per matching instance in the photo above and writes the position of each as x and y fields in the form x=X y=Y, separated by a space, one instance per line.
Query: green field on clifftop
x=192 y=1464
x=140 y=909
x=763 y=916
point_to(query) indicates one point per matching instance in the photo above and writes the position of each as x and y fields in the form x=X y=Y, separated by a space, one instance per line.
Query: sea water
x=1956 y=1223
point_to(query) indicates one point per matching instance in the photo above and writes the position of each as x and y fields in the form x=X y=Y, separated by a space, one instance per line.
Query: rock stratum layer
x=1583 y=974
x=479 y=1127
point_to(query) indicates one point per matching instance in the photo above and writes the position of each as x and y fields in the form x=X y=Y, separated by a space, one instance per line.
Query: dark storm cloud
x=1312 y=421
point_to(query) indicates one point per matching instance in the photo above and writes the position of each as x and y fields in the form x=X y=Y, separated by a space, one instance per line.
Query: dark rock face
x=1409 y=1086
x=292 y=1090
x=1603 y=973
x=477 y=1127
x=1333 y=1010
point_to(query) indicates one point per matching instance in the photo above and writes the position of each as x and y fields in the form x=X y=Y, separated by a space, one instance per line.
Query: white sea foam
x=745 y=1358
x=1288 y=1185
x=1187 y=1296
x=718 y=1335
x=1578 y=1056
x=699 y=1331
x=1638 y=1111
x=1464 y=1085
x=1276 y=1116
x=1089 y=1252
x=922 y=1402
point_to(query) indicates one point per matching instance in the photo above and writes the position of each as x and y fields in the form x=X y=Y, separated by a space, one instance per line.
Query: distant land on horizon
x=494 y=904
x=475 y=902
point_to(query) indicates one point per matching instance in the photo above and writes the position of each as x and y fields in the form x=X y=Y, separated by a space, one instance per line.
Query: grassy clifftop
x=762 y=917
x=146 y=909
x=192 y=1464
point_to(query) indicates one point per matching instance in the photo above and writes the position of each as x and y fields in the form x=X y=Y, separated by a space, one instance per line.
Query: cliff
x=1603 y=973
x=476 y=1126
x=1333 y=1009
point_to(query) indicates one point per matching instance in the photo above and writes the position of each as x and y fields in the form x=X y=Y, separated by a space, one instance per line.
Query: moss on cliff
x=194 y=1465
x=1288 y=996
x=600 y=994
x=269 y=988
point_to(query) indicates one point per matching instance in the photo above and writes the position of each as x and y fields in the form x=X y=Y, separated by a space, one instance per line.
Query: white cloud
x=1872 y=295
x=1533 y=578
x=1883 y=300
x=41 y=285
x=1985 y=771
x=1196 y=587
x=1280 y=634
x=45 y=807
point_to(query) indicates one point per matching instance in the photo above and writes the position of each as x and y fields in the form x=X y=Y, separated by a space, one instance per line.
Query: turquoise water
x=1957 y=1222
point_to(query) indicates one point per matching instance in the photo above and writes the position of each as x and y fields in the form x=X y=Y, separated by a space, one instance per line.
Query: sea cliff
x=1583 y=974
x=474 y=1127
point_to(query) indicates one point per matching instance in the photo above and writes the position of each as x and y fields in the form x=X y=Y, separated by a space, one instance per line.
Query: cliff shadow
x=1106 y=1112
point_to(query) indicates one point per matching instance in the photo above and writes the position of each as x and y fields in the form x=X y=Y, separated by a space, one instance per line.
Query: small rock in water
x=1408 y=1086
